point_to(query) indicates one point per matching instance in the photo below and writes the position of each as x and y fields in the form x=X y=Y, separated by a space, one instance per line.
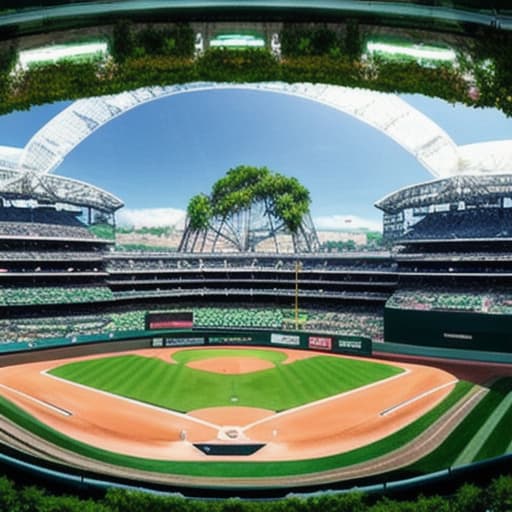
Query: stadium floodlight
x=58 y=52
x=417 y=51
x=237 y=41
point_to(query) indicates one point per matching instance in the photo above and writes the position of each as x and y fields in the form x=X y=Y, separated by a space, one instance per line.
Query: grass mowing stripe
x=474 y=446
x=125 y=373
x=187 y=355
x=241 y=469
x=453 y=445
x=327 y=373
x=500 y=440
x=315 y=380
x=279 y=388
x=151 y=379
x=299 y=383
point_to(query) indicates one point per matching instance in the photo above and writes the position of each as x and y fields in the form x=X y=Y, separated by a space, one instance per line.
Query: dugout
x=449 y=329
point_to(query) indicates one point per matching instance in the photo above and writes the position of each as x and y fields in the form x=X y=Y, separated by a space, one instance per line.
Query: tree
x=246 y=206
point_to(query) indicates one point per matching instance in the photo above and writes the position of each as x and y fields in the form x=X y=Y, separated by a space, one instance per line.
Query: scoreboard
x=170 y=320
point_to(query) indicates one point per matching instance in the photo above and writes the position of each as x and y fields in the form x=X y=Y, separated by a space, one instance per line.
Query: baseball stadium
x=250 y=362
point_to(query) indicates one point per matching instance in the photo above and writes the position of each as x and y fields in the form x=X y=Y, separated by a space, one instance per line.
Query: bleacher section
x=33 y=229
x=41 y=222
x=471 y=223
x=238 y=318
x=358 y=321
x=481 y=301
x=53 y=295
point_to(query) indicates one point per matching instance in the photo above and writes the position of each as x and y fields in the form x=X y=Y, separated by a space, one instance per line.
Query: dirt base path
x=326 y=427
x=401 y=457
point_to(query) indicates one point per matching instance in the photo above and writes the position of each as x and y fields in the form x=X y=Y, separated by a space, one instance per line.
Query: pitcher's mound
x=231 y=365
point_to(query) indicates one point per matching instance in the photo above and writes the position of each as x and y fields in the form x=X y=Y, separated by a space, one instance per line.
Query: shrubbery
x=469 y=498
x=304 y=40
x=137 y=66
x=165 y=56
x=128 y=43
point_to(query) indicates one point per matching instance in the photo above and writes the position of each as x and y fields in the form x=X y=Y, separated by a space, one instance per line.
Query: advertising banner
x=183 y=342
x=285 y=339
x=230 y=340
x=320 y=342
x=350 y=345
x=157 y=342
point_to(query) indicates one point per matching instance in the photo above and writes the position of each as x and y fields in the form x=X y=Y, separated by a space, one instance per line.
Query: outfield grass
x=197 y=354
x=240 y=469
x=500 y=439
x=180 y=388
x=446 y=454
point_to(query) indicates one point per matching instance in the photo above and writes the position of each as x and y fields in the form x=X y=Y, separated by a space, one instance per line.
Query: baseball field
x=187 y=415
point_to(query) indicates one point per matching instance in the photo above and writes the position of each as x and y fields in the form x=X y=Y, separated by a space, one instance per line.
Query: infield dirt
x=326 y=427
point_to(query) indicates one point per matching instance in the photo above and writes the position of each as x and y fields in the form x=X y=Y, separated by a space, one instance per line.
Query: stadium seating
x=478 y=223
x=346 y=320
x=53 y=295
x=238 y=318
x=476 y=300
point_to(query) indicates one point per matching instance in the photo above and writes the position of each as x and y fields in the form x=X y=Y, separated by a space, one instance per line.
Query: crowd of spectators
x=353 y=320
x=10 y=296
x=41 y=222
x=470 y=223
x=250 y=292
x=455 y=256
x=475 y=300
x=50 y=256
x=256 y=318
x=34 y=328
x=337 y=320
x=34 y=229
x=180 y=262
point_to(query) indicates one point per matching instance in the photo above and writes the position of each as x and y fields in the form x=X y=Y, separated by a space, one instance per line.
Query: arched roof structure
x=471 y=188
x=389 y=114
x=57 y=189
x=415 y=132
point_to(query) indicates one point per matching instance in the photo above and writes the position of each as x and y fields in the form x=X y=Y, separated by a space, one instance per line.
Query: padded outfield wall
x=133 y=340
x=449 y=329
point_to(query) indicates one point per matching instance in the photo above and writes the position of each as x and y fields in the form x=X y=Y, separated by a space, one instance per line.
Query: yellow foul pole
x=297 y=269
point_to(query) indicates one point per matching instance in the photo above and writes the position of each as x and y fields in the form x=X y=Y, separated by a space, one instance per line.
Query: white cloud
x=151 y=217
x=346 y=222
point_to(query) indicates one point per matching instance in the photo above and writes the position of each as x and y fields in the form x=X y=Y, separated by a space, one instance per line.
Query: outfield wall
x=71 y=350
x=62 y=348
x=456 y=330
x=336 y=343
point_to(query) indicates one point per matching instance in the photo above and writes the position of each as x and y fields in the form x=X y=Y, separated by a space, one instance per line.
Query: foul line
x=133 y=401
x=394 y=408
x=48 y=405
x=327 y=399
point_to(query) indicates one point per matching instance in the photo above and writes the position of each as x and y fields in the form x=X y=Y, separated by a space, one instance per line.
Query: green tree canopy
x=284 y=197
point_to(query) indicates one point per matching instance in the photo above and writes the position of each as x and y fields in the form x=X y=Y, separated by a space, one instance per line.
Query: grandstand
x=50 y=259
x=454 y=259
x=453 y=240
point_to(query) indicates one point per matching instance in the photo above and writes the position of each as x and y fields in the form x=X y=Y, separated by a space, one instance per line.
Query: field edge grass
x=248 y=469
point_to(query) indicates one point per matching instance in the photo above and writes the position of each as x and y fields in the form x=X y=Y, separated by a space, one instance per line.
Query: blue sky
x=160 y=154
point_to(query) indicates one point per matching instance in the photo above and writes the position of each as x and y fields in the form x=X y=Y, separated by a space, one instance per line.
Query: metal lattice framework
x=247 y=230
x=57 y=189
x=469 y=188
x=393 y=117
